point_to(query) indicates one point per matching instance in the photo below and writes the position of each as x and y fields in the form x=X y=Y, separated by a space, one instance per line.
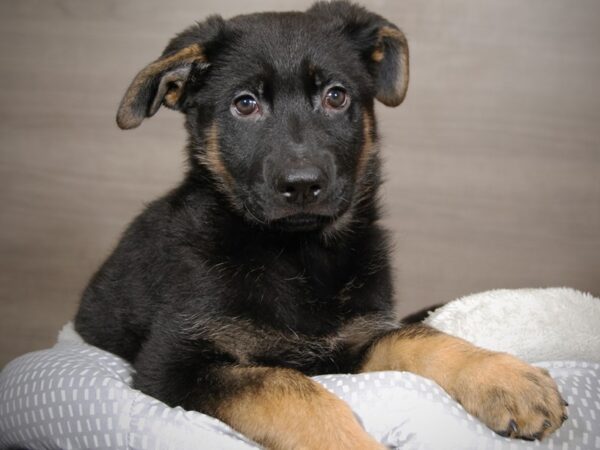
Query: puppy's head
x=279 y=107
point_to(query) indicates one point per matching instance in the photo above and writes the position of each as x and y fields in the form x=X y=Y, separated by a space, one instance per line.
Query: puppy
x=267 y=264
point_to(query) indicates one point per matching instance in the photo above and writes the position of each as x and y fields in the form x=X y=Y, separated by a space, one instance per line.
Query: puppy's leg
x=281 y=409
x=509 y=396
x=278 y=408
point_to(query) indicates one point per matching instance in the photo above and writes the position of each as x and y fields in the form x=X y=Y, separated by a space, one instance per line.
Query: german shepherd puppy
x=266 y=264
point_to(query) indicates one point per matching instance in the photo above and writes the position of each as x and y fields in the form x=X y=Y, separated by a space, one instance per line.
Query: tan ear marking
x=397 y=95
x=129 y=116
x=169 y=89
x=391 y=32
x=377 y=55
x=173 y=95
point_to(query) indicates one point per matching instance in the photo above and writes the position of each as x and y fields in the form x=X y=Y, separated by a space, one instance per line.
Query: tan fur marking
x=495 y=387
x=421 y=351
x=290 y=411
x=390 y=32
x=342 y=223
x=193 y=53
x=368 y=148
x=377 y=55
x=172 y=97
x=402 y=79
x=125 y=117
x=211 y=159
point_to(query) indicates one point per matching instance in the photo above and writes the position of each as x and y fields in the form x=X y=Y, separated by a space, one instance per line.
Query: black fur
x=239 y=265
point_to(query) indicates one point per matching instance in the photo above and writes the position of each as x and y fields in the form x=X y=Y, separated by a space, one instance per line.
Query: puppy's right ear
x=160 y=82
x=163 y=81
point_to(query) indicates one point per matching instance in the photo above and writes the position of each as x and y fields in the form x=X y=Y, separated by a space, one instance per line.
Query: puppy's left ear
x=390 y=55
x=382 y=45
x=159 y=83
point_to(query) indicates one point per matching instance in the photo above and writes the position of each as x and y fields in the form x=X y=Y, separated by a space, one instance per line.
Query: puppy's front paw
x=511 y=397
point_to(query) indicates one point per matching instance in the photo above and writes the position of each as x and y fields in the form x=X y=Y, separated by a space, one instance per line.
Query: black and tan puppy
x=267 y=265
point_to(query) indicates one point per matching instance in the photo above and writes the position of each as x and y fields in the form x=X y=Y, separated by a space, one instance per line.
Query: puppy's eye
x=245 y=105
x=335 y=98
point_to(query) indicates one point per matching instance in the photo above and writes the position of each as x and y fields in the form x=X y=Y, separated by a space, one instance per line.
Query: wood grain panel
x=492 y=163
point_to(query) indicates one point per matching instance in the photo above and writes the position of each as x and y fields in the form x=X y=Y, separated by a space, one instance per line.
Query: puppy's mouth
x=302 y=222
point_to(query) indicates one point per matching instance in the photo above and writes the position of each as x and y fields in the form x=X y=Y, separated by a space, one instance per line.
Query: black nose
x=301 y=186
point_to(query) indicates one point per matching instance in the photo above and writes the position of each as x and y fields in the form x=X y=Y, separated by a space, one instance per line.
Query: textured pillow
x=533 y=324
x=78 y=396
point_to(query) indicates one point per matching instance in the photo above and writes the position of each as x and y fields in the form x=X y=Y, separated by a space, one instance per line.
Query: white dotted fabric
x=75 y=396
x=405 y=411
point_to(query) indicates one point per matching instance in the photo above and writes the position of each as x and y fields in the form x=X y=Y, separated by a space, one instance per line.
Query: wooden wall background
x=493 y=162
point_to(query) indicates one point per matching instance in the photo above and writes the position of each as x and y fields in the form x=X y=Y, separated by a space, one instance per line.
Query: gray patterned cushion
x=75 y=396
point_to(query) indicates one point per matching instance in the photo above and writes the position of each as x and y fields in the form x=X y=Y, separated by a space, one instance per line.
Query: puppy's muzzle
x=300 y=190
x=302 y=186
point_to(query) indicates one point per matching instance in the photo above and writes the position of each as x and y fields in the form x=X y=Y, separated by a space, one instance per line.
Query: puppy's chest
x=303 y=309
x=311 y=297
x=248 y=342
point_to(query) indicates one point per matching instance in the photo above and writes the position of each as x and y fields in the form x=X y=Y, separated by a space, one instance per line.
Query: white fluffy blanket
x=533 y=324
x=78 y=396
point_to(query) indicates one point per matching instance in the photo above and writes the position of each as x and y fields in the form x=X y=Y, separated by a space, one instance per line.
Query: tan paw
x=510 y=396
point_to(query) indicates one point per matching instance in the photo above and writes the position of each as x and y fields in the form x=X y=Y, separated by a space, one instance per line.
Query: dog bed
x=76 y=396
